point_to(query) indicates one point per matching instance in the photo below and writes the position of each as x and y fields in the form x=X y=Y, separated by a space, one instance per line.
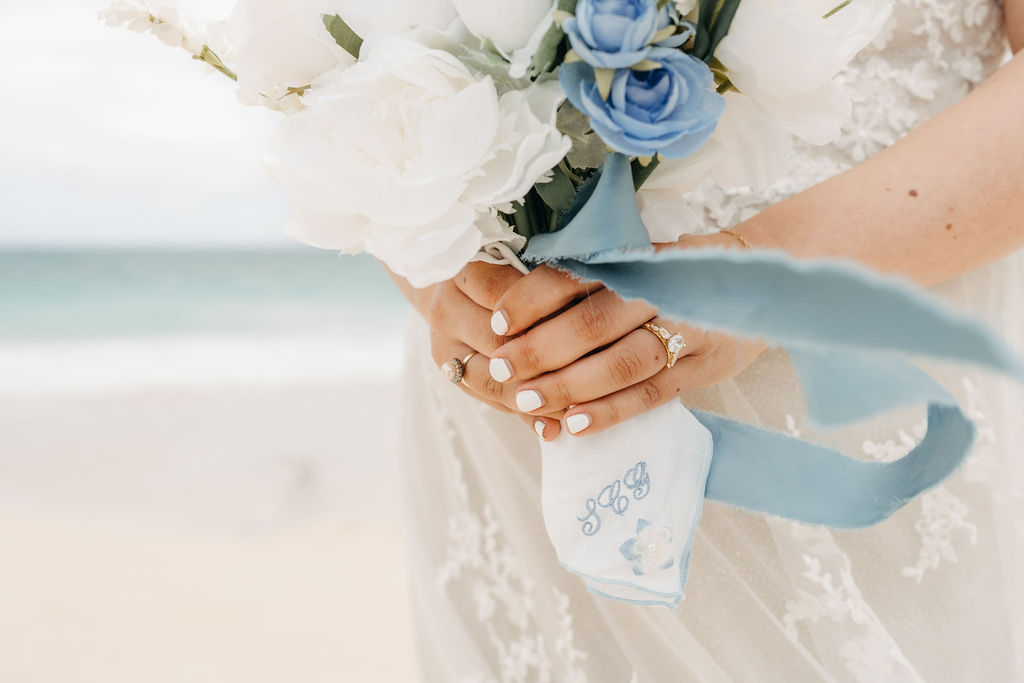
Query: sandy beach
x=235 y=526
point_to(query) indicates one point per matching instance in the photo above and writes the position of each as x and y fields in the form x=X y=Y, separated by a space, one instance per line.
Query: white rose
x=276 y=46
x=785 y=53
x=782 y=56
x=509 y=24
x=405 y=154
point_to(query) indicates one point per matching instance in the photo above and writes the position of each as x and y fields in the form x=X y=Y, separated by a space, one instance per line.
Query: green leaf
x=560 y=193
x=642 y=172
x=552 y=45
x=588 y=149
x=713 y=22
x=486 y=59
x=343 y=34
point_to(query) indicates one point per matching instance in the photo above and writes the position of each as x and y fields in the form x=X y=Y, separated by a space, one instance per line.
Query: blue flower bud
x=614 y=34
x=671 y=110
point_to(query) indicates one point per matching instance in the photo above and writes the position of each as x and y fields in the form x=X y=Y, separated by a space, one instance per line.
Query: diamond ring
x=673 y=343
x=455 y=370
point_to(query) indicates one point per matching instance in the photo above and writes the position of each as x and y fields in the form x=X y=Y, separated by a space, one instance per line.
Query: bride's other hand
x=459 y=313
x=595 y=360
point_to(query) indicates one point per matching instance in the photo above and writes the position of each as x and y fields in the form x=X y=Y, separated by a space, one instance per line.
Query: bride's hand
x=594 y=360
x=459 y=313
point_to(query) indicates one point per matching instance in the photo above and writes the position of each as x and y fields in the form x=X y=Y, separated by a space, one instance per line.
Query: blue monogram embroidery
x=592 y=520
x=637 y=481
x=612 y=497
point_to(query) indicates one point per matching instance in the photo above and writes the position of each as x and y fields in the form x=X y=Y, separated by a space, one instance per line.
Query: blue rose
x=671 y=110
x=615 y=34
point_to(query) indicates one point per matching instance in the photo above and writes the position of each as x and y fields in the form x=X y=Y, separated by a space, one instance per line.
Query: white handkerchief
x=621 y=506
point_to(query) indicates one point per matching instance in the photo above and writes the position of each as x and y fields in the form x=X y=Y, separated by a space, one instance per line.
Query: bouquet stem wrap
x=845 y=329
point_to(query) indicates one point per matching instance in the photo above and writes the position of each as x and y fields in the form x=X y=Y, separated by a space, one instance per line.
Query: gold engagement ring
x=673 y=343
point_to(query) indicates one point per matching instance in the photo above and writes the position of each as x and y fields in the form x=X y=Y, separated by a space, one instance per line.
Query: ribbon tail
x=769 y=472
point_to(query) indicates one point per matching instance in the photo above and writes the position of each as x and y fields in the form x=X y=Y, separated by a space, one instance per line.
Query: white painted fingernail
x=499 y=323
x=577 y=423
x=501 y=371
x=529 y=401
x=538 y=427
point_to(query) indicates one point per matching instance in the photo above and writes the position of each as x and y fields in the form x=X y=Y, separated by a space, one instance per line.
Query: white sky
x=110 y=138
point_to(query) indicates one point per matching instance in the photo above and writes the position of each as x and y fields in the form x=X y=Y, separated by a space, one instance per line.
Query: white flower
x=783 y=55
x=663 y=206
x=509 y=24
x=276 y=47
x=392 y=16
x=406 y=154
x=684 y=7
x=159 y=18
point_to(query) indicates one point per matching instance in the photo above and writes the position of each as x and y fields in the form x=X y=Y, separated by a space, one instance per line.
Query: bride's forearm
x=945 y=200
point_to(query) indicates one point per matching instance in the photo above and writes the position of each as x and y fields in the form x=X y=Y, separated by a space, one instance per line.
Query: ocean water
x=214 y=391
x=102 y=321
x=66 y=295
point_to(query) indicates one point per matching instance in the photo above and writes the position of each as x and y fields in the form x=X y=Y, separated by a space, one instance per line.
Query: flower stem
x=211 y=58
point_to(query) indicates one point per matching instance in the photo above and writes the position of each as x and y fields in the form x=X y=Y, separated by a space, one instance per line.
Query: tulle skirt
x=934 y=594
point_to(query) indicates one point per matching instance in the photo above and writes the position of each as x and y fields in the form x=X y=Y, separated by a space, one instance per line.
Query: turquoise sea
x=67 y=295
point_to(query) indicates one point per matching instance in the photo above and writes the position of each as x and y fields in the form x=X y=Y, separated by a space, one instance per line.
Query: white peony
x=782 y=56
x=663 y=205
x=406 y=154
x=509 y=24
x=391 y=16
x=277 y=47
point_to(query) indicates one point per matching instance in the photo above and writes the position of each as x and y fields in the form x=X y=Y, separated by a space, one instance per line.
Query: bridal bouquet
x=430 y=133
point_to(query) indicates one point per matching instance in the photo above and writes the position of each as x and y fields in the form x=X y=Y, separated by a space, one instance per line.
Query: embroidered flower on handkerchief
x=651 y=549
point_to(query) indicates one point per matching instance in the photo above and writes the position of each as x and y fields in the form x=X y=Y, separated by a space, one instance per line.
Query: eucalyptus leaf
x=343 y=34
x=588 y=149
x=713 y=22
x=552 y=45
x=560 y=193
x=489 y=62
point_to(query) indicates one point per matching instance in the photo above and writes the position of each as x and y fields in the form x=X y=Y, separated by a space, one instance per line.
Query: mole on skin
x=913 y=193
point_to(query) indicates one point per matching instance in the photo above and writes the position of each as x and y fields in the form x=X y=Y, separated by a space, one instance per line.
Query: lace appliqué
x=944 y=517
x=868 y=652
x=898 y=82
x=503 y=592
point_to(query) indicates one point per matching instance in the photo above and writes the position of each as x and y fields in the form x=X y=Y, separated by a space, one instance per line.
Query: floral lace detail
x=980 y=467
x=943 y=517
x=867 y=649
x=502 y=590
x=898 y=82
x=942 y=514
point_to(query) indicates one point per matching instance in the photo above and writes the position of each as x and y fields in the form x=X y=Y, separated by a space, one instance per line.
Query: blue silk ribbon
x=844 y=327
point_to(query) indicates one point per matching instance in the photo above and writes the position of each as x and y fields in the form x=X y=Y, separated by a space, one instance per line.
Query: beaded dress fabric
x=934 y=594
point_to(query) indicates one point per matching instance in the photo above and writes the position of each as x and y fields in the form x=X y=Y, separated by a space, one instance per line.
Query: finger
x=479 y=381
x=667 y=385
x=536 y=296
x=545 y=427
x=456 y=316
x=591 y=324
x=485 y=283
x=635 y=358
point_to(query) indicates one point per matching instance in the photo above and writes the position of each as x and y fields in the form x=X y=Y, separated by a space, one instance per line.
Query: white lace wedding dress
x=934 y=594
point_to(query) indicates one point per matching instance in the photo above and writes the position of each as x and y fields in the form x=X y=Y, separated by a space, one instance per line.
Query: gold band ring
x=673 y=343
x=455 y=370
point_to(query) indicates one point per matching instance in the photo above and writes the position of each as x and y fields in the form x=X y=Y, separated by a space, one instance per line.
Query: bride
x=926 y=182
